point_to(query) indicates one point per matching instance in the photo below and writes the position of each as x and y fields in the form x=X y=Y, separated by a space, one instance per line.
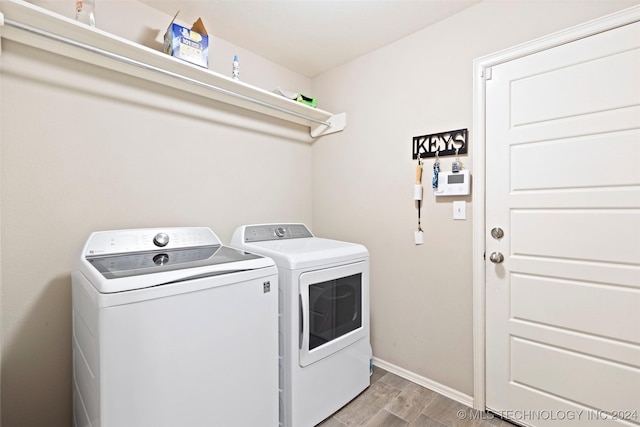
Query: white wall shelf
x=25 y=23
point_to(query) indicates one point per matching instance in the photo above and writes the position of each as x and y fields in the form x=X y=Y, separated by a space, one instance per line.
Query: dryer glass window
x=335 y=309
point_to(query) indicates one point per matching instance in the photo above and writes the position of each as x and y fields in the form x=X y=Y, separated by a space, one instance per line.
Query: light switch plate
x=460 y=209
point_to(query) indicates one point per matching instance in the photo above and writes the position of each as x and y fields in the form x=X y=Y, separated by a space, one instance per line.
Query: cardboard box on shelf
x=191 y=45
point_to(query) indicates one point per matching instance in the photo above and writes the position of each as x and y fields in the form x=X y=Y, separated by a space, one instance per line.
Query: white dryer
x=325 y=351
x=172 y=328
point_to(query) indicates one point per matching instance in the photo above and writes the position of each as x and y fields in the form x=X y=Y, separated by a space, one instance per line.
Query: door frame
x=481 y=73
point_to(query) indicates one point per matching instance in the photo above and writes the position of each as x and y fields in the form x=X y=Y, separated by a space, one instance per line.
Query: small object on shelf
x=191 y=45
x=312 y=102
x=85 y=12
x=236 y=68
x=286 y=93
x=297 y=96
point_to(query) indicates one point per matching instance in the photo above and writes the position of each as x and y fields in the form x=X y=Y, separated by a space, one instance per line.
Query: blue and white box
x=191 y=45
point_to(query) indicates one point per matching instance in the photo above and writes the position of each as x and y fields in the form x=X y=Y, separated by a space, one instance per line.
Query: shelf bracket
x=337 y=123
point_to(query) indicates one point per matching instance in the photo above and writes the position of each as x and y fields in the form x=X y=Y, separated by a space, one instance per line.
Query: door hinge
x=484 y=256
x=488 y=73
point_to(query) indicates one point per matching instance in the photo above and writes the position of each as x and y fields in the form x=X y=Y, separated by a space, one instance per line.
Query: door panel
x=563 y=182
x=576 y=306
x=586 y=343
x=578 y=234
x=606 y=170
x=557 y=371
x=531 y=95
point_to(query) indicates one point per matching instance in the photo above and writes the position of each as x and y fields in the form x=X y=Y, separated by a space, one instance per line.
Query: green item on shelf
x=312 y=102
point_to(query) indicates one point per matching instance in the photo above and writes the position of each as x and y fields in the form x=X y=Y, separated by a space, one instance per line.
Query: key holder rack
x=450 y=143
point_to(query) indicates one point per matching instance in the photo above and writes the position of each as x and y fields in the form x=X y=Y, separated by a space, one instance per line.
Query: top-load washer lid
x=136 y=264
x=122 y=260
x=293 y=246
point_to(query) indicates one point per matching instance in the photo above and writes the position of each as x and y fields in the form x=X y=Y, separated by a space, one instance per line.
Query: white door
x=563 y=184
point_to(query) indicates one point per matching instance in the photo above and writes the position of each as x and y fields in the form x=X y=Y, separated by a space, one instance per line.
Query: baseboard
x=456 y=395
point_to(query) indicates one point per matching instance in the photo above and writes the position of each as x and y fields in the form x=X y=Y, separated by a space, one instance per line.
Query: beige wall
x=83 y=149
x=421 y=296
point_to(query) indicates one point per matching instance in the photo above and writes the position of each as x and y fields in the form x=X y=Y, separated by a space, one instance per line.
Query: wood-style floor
x=392 y=401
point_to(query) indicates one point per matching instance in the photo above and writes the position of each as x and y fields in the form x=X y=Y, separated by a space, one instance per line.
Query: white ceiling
x=312 y=36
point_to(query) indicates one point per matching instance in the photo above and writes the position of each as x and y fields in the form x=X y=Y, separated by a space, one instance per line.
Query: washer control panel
x=264 y=232
x=148 y=239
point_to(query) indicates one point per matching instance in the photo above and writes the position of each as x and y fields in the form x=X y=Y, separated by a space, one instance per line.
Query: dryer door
x=334 y=310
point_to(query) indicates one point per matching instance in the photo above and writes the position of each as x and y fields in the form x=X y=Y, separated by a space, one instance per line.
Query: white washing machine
x=172 y=328
x=325 y=351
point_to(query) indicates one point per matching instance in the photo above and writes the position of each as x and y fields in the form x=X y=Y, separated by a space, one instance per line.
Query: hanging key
x=455 y=166
x=436 y=171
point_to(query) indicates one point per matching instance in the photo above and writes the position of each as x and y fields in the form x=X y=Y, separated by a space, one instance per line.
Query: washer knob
x=161 y=240
x=280 y=231
x=161 y=259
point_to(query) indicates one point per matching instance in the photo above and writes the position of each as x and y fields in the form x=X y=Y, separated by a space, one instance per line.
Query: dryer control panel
x=264 y=232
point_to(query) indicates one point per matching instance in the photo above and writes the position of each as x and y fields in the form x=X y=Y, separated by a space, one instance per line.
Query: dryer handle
x=303 y=340
x=300 y=324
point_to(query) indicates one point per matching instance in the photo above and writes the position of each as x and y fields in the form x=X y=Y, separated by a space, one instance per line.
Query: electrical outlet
x=460 y=209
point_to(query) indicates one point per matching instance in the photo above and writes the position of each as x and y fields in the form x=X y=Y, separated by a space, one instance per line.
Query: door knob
x=496 y=257
x=497 y=233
